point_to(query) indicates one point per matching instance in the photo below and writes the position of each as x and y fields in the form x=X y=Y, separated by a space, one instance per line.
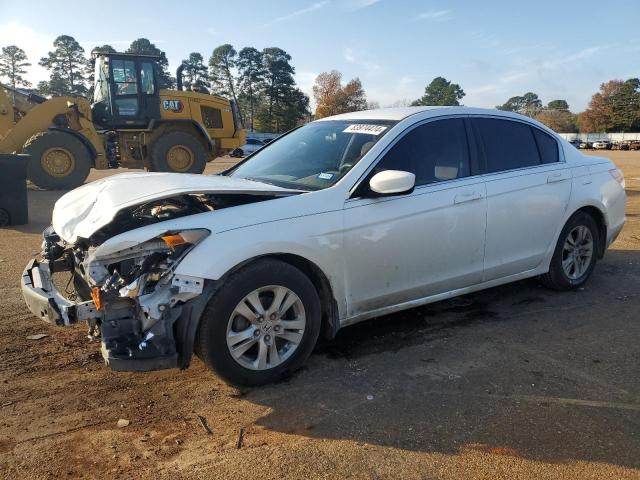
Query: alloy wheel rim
x=58 y=161
x=180 y=158
x=266 y=327
x=577 y=252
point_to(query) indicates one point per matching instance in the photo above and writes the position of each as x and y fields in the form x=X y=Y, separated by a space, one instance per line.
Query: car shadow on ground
x=516 y=370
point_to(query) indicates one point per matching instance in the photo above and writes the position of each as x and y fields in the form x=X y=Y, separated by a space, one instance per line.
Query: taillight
x=617 y=174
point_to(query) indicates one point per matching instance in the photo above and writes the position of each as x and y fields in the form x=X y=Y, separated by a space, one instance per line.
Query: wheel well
x=598 y=217
x=328 y=304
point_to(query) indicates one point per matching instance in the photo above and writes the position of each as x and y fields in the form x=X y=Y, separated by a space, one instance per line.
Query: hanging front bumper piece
x=44 y=300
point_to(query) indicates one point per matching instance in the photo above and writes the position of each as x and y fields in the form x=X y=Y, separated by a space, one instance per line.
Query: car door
x=528 y=190
x=406 y=247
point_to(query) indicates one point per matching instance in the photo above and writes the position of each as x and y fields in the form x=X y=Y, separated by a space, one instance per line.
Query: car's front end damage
x=130 y=299
x=124 y=283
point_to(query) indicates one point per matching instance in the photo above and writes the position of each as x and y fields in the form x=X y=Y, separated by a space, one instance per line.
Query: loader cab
x=126 y=92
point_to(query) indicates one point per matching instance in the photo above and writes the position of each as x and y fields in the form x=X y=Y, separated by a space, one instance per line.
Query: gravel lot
x=513 y=382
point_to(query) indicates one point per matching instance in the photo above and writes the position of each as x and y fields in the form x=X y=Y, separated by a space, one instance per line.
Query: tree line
x=262 y=84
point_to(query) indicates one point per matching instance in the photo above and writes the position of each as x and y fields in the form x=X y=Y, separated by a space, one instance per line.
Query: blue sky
x=493 y=49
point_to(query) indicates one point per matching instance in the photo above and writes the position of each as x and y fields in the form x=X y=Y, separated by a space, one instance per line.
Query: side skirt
x=440 y=296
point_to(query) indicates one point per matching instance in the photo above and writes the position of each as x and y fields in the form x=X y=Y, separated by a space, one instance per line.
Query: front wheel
x=261 y=325
x=59 y=161
x=178 y=152
x=575 y=255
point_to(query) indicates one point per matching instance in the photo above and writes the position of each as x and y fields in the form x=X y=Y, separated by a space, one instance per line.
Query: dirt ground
x=513 y=382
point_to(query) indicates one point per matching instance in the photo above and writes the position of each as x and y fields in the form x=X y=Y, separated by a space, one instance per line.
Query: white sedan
x=344 y=219
x=601 y=145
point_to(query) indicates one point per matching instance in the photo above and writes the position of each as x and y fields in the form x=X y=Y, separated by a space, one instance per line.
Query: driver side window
x=436 y=151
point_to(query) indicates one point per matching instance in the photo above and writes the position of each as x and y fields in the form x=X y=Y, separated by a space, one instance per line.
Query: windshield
x=315 y=156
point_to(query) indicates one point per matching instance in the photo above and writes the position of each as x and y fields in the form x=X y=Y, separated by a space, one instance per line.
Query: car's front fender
x=316 y=238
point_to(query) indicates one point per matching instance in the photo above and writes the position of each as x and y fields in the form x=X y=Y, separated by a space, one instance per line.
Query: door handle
x=556 y=177
x=467 y=197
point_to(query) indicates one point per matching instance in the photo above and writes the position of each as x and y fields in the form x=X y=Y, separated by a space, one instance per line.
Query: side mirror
x=392 y=182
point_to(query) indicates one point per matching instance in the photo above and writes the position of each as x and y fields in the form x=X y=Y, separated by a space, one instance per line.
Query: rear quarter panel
x=593 y=186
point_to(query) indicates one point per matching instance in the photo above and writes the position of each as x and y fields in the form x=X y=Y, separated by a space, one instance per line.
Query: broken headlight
x=137 y=270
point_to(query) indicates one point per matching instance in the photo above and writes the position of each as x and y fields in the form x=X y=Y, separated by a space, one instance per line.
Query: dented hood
x=83 y=211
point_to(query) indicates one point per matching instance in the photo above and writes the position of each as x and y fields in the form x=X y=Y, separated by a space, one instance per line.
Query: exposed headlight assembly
x=137 y=270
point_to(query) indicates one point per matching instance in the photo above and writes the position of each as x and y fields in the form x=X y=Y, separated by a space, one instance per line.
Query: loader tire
x=59 y=161
x=178 y=152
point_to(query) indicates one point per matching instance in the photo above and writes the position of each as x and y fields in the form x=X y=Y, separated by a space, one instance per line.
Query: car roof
x=401 y=113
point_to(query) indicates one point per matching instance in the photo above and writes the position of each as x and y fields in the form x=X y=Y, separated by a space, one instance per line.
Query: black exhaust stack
x=179 y=77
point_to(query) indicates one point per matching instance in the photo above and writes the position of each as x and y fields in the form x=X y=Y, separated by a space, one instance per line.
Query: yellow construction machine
x=130 y=123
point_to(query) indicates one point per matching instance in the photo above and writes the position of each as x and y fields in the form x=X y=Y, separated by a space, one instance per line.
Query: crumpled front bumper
x=44 y=300
x=125 y=347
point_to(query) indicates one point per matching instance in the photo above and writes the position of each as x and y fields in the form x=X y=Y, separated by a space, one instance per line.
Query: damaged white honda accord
x=341 y=220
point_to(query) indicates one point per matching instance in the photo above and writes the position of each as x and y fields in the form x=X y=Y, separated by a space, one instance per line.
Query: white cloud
x=360 y=4
x=435 y=15
x=370 y=68
x=297 y=13
x=572 y=58
x=534 y=74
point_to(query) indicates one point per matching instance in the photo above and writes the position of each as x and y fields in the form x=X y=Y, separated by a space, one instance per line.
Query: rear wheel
x=575 y=255
x=178 y=152
x=261 y=325
x=59 y=161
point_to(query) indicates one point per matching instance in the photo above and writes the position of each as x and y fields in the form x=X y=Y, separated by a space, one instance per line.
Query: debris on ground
x=123 y=423
x=205 y=426
x=240 y=437
x=37 y=336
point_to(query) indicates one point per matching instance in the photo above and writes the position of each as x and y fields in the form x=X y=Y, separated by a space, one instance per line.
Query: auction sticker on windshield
x=364 y=128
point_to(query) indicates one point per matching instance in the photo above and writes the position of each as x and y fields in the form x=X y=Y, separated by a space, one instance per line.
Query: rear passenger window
x=547 y=146
x=434 y=152
x=507 y=144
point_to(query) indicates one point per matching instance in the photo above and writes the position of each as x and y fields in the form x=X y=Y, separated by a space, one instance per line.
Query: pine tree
x=278 y=85
x=13 y=62
x=441 y=92
x=68 y=66
x=251 y=74
x=221 y=63
x=143 y=46
x=195 y=72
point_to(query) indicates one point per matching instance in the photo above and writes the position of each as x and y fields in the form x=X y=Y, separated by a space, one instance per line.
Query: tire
x=212 y=344
x=178 y=152
x=557 y=278
x=59 y=161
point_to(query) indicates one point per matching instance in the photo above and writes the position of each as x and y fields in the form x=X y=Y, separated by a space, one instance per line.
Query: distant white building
x=592 y=137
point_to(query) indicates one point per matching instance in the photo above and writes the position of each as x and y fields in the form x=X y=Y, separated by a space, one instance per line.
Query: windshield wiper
x=281 y=184
x=255 y=179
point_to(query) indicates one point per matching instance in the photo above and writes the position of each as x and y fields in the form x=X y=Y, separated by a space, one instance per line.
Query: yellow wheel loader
x=130 y=123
